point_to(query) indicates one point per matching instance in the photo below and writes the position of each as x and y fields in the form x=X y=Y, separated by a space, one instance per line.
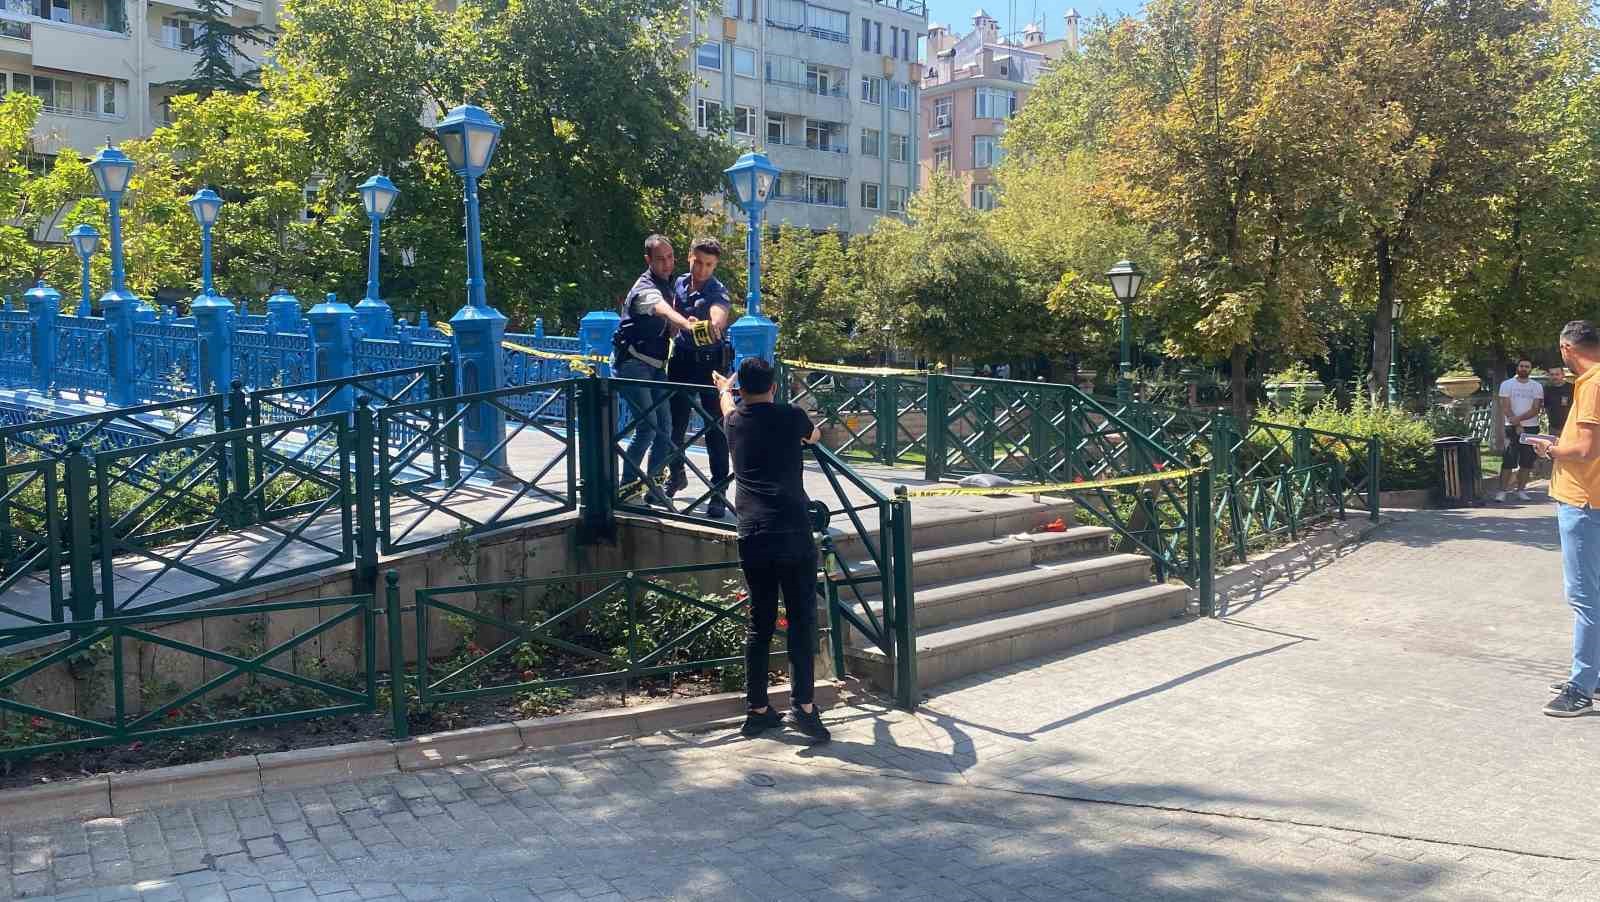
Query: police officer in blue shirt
x=699 y=297
x=642 y=344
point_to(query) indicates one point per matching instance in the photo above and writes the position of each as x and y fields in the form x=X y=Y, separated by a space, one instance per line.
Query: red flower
x=1079 y=479
x=37 y=723
x=135 y=746
x=175 y=712
x=472 y=648
x=783 y=623
x=1160 y=466
x=741 y=596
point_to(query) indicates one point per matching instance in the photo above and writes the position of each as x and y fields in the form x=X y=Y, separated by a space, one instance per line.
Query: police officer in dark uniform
x=700 y=297
x=642 y=346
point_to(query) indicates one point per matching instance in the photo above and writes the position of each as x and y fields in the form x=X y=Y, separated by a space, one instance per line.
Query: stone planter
x=1283 y=393
x=1458 y=387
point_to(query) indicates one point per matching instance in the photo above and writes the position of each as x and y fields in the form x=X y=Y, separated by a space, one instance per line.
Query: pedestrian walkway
x=1369 y=729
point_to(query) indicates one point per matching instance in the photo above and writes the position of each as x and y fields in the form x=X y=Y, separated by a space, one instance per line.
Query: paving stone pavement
x=1366 y=730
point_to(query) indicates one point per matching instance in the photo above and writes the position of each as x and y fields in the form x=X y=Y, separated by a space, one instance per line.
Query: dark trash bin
x=1457 y=472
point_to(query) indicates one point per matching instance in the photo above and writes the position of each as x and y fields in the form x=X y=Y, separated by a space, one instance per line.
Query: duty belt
x=637 y=354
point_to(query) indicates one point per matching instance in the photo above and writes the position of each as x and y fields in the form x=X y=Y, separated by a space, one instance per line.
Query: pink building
x=971 y=86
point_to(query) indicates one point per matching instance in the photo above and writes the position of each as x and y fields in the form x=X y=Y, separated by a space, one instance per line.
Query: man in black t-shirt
x=1557 y=398
x=775 y=547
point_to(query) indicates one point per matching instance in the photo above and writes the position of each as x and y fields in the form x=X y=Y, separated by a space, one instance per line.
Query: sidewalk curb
x=115 y=795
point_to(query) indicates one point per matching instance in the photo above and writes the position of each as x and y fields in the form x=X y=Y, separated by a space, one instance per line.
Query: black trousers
x=681 y=368
x=786 y=562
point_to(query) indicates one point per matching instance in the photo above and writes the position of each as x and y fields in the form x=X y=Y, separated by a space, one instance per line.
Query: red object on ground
x=1056 y=525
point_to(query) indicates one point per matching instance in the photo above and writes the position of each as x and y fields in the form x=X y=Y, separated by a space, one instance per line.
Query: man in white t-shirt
x=1521 y=401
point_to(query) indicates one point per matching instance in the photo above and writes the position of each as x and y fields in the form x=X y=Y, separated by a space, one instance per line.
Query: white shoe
x=1500 y=497
x=1523 y=495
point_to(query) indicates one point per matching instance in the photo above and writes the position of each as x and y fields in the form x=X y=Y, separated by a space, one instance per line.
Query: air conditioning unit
x=942 y=122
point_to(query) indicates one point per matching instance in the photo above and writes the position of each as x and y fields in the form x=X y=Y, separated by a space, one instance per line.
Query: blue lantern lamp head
x=469 y=135
x=752 y=178
x=85 y=240
x=205 y=205
x=378 y=195
x=112 y=171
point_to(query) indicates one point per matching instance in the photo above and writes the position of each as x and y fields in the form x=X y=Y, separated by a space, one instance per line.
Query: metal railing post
x=1204 y=561
x=835 y=625
x=80 y=541
x=1302 y=448
x=366 y=513
x=1374 y=463
x=1286 y=489
x=595 y=436
x=888 y=423
x=239 y=466
x=906 y=691
x=1337 y=486
x=938 y=429
x=397 y=654
x=451 y=425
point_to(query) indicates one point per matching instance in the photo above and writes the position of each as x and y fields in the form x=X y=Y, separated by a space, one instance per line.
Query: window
x=902 y=95
x=994 y=103
x=793 y=185
x=871 y=142
x=60 y=11
x=877 y=37
x=819 y=80
x=706 y=114
x=894 y=41
x=897 y=200
x=828 y=192
x=180 y=34
x=744 y=62
x=986 y=151
x=900 y=148
x=871 y=89
x=866 y=34
x=709 y=56
x=787 y=13
x=941 y=157
x=869 y=195
x=941 y=112
x=744 y=121
x=828 y=23
x=819 y=136
x=777 y=129
x=740 y=9
x=983 y=197
x=108 y=98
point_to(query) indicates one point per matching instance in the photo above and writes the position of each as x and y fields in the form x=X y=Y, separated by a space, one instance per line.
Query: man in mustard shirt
x=1575 y=486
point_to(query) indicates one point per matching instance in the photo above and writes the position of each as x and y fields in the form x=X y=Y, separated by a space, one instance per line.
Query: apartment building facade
x=828 y=90
x=971 y=87
x=99 y=65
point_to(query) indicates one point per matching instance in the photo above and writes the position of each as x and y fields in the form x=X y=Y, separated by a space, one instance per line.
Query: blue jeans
x=1580 y=565
x=652 y=425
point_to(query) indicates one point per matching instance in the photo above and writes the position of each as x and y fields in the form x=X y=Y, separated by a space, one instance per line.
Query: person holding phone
x=1575 y=486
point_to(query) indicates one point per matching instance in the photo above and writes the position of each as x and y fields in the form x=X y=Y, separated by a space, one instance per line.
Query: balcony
x=810 y=201
x=914 y=7
x=17 y=18
x=823 y=147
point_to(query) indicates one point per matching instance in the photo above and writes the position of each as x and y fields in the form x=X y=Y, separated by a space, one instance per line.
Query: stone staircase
x=991 y=591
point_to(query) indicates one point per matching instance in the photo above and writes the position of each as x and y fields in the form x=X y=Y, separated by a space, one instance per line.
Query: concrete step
x=998 y=594
x=971 y=646
x=950 y=563
x=939 y=522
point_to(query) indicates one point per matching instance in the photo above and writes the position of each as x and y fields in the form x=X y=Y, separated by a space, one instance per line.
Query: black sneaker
x=717 y=509
x=1570 y=703
x=678 y=482
x=810 y=723
x=757 y=723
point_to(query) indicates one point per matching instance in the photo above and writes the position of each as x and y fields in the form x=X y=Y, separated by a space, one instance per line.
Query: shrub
x=1405 y=442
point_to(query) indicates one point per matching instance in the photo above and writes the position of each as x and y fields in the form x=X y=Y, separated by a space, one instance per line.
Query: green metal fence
x=1262 y=510
x=240 y=677
x=571 y=632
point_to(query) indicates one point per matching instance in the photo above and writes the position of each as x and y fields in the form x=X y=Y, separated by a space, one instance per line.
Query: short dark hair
x=1522 y=360
x=707 y=246
x=1580 y=333
x=655 y=241
x=755 y=376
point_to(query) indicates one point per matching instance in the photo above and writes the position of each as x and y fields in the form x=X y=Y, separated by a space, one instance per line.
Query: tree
x=1436 y=88
x=804 y=288
x=944 y=286
x=596 y=152
x=220 y=43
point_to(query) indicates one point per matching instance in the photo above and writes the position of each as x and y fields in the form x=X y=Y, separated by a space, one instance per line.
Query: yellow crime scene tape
x=1048 y=488
x=858 y=370
x=583 y=363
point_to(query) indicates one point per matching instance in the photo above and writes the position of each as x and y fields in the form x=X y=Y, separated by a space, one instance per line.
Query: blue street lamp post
x=753 y=178
x=121 y=308
x=470 y=135
x=377 y=196
x=85 y=240
x=1126 y=280
x=213 y=315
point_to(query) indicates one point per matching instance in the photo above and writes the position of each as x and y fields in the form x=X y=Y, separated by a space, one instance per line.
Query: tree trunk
x=1239 y=386
x=1383 y=256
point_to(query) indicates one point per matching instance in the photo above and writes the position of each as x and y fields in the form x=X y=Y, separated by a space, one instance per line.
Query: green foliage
x=222 y=66
x=1405 y=442
x=1294 y=372
x=806 y=285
